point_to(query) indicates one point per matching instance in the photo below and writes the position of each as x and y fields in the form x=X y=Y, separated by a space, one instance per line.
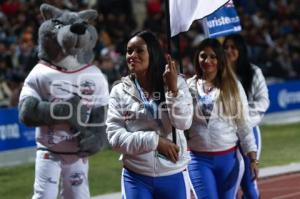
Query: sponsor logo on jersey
x=76 y=178
x=87 y=87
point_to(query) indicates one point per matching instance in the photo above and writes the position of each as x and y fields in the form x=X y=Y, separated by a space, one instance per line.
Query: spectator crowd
x=271 y=29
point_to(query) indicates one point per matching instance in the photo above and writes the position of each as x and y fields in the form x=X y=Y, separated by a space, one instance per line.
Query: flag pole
x=168 y=26
x=169 y=50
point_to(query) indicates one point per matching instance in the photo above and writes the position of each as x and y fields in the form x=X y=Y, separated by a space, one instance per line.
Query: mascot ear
x=49 y=11
x=88 y=15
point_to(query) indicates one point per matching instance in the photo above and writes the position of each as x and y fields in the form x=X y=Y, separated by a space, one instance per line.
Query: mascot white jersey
x=47 y=83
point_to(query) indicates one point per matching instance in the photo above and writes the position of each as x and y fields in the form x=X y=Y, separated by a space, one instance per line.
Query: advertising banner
x=284 y=96
x=13 y=134
x=222 y=22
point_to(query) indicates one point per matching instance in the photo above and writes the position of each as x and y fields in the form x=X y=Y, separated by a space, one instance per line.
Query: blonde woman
x=220 y=121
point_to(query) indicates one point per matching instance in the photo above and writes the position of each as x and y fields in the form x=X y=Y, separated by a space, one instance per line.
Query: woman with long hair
x=254 y=84
x=143 y=108
x=220 y=121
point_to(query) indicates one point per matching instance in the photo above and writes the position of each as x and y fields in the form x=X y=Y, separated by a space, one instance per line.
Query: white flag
x=184 y=12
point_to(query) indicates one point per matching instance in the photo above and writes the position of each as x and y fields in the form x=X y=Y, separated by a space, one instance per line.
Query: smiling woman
x=137 y=55
x=220 y=121
x=142 y=111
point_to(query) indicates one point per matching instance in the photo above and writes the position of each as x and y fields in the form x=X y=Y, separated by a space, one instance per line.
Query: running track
x=280 y=187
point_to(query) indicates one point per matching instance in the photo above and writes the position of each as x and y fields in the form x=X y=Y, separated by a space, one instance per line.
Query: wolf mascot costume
x=65 y=97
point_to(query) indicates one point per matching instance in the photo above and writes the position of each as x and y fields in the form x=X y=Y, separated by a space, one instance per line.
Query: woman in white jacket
x=256 y=90
x=140 y=119
x=220 y=120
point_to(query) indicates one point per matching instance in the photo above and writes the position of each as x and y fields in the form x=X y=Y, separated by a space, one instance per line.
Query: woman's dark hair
x=157 y=62
x=243 y=68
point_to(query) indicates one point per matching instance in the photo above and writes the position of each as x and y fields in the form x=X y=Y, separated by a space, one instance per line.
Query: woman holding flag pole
x=220 y=121
x=256 y=89
x=143 y=107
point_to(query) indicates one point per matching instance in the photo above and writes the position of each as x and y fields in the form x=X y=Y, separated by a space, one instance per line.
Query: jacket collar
x=192 y=84
x=130 y=87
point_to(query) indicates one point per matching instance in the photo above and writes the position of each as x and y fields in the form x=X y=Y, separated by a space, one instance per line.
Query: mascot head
x=67 y=39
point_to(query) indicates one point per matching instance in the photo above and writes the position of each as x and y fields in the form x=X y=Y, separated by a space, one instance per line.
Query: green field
x=281 y=145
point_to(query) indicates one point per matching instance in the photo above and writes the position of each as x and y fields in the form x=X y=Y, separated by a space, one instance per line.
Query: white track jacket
x=258 y=97
x=220 y=133
x=134 y=132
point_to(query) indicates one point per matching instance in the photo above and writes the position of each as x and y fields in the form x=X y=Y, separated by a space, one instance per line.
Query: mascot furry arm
x=66 y=42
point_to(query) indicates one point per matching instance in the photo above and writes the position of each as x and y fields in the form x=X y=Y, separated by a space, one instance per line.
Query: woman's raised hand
x=170 y=75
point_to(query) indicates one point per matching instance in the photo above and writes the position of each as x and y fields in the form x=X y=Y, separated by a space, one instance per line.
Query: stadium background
x=271 y=29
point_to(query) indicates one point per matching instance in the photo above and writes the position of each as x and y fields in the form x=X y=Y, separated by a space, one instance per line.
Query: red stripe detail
x=63 y=71
x=46 y=156
x=215 y=152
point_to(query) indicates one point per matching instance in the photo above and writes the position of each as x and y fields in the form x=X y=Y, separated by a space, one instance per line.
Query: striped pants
x=216 y=176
